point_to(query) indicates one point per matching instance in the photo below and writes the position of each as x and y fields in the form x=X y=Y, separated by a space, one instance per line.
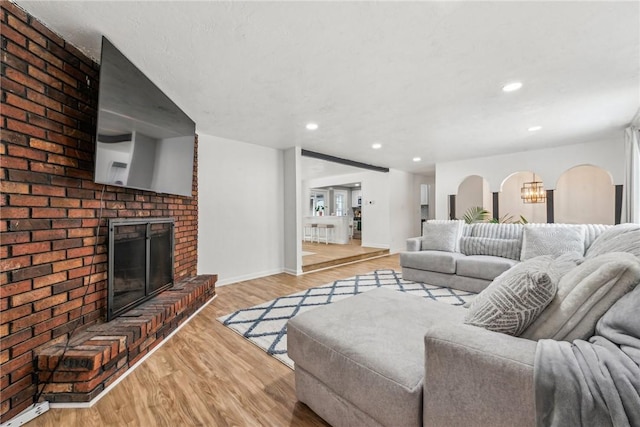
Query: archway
x=585 y=195
x=510 y=204
x=473 y=191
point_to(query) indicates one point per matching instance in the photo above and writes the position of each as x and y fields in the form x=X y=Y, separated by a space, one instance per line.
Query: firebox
x=140 y=262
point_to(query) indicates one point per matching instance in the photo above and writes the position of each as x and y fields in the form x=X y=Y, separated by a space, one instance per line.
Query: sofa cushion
x=483 y=266
x=506 y=248
x=497 y=231
x=514 y=300
x=438 y=261
x=584 y=294
x=551 y=239
x=377 y=362
x=442 y=235
x=621 y=238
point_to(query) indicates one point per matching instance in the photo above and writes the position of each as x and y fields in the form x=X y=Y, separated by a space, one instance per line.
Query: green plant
x=475 y=214
x=508 y=219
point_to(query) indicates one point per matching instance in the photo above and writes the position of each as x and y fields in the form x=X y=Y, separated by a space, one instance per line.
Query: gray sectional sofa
x=480 y=252
x=386 y=358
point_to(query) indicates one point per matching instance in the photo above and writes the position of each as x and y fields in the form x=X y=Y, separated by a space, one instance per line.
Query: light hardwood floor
x=207 y=375
x=324 y=256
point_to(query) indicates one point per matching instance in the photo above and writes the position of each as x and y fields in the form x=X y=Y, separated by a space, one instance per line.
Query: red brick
x=41 y=235
x=18 y=386
x=21 y=372
x=15 y=237
x=47 y=168
x=27 y=153
x=29 y=321
x=23 y=200
x=52 y=323
x=15 y=88
x=45 y=78
x=48 y=213
x=80 y=232
x=29 y=224
x=14 y=187
x=43 y=122
x=24 y=104
x=49 y=302
x=66 y=307
x=15 y=288
x=79 y=272
x=46 y=146
x=26 y=30
x=45 y=54
x=30 y=248
x=47 y=190
x=14 y=163
x=66 y=244
x=25 y=128
x=16 y=337
x=15 y=313
x=31 y=344
x=66 y=223
x=45 y=101
x=14 y=36
x=67 y=264
x=15 y=263
x=29 y=297
x=48 y=257
x=14 y=213
x=20 y=77
x=62 y=118
x=50 y=279
x=13 y=112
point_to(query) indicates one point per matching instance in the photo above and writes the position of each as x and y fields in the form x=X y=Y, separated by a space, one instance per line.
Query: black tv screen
x=144 y=140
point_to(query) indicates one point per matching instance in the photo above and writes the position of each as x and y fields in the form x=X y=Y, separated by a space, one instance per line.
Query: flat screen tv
x=144 y=140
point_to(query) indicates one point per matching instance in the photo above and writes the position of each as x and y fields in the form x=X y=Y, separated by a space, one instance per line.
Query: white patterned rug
x=265 y=324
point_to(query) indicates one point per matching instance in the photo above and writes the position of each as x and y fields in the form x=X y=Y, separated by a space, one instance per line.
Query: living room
x=244 y=221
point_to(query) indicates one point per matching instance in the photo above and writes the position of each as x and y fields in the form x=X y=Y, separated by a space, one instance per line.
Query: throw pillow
x=505 y=248
x=442 y=236
x=584 y=294
x=515 y=298
x=551 y=239
x=621 y=238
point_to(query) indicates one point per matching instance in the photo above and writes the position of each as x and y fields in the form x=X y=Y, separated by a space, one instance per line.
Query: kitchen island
x=340 y=234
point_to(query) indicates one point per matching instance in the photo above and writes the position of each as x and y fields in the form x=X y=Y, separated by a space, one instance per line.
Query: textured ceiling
x=422 y=78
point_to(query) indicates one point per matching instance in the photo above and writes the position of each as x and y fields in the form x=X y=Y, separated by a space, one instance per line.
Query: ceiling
x=423 y=79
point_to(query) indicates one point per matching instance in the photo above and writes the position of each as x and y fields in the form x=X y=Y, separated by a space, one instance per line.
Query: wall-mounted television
x=144 y=140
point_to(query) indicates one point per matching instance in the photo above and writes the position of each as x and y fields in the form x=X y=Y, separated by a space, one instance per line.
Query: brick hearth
x=101 y=353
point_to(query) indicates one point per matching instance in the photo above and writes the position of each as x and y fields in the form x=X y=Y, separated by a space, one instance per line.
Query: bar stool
x=323 y=232
x=308 y=232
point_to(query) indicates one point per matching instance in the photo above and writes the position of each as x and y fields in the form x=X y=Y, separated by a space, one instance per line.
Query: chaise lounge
x=385 y=358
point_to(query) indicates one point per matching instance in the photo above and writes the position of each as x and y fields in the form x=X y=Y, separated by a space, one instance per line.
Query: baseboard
x=77 y=405
x=232 y=280
x=375 y=245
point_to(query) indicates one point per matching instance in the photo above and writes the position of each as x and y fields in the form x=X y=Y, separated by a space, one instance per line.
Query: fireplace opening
x=140 y=262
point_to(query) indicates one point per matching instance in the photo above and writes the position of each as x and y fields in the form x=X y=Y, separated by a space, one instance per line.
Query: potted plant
x=320 y=210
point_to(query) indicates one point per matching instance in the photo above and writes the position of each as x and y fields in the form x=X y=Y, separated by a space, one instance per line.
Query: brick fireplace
x=48 y=222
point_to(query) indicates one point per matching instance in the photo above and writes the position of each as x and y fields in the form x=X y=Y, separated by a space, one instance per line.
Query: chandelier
x=533 y=192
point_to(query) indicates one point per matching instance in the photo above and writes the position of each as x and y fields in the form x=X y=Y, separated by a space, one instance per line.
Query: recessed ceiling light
x=376 y=146
x=312 y=126
x=512 y=87
x=416 y=159
x=534 y=128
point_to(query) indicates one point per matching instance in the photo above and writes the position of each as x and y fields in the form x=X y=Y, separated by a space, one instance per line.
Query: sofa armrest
x=414 y=244
x=476 y=377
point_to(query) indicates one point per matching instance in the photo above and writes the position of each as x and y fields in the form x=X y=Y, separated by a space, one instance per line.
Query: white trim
x=346 y=263
x=291 y=272
x=76 y=405
x=376 y=245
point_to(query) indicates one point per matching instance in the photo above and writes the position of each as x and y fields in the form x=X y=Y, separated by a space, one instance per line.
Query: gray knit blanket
x=595 y=382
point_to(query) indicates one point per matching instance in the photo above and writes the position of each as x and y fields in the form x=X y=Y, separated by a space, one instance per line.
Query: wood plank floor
x=330 y=255
x=207 y=375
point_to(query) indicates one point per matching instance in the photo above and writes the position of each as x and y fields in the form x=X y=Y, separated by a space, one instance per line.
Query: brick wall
x=49 y=204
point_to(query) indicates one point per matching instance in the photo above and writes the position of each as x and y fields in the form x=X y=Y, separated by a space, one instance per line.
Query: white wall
x=549 y=164
x=403 y=216
x=585 y=195
x=240 y=209
x=390 y=205
x=292 y=221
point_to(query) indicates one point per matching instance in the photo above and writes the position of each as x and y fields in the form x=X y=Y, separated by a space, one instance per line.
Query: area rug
x=265 y=324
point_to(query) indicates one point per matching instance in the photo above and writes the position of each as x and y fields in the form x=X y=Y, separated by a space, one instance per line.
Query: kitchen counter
x=340 y=227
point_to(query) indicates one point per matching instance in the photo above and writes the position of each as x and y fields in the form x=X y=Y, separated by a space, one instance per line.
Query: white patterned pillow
x=551 y=239
x=505 y=248
x=442 y=236
x=515 y=298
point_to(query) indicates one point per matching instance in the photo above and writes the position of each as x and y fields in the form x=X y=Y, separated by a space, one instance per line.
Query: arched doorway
x=585 y=195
